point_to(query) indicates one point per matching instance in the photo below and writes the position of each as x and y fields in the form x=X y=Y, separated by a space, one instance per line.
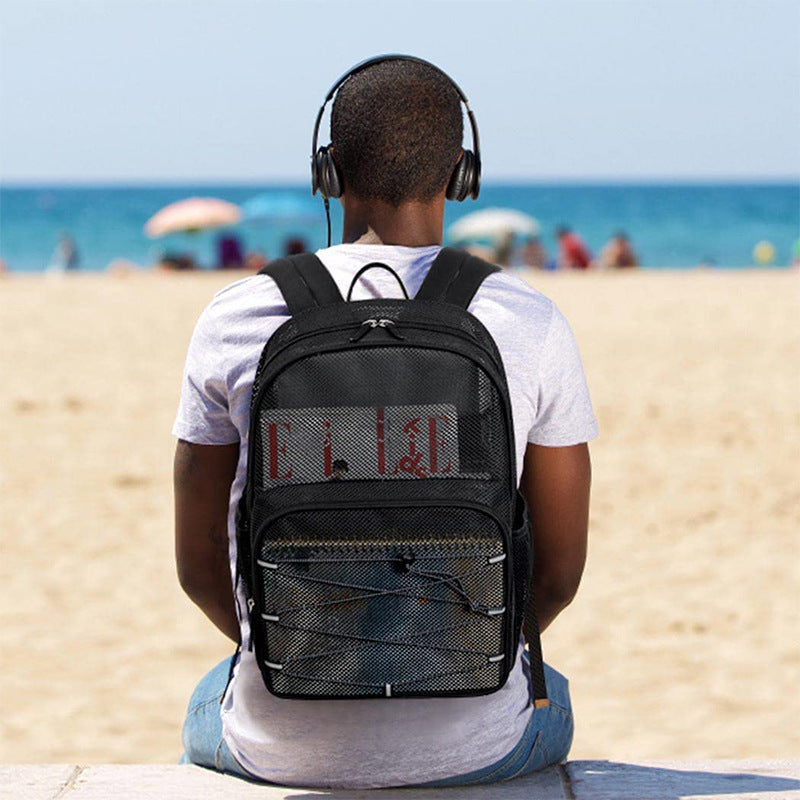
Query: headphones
x=325 y=178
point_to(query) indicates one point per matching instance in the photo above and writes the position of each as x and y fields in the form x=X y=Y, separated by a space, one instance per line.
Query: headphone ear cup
x=474 y=188
x=326 y=174
x=462 y=181
x=316 y=170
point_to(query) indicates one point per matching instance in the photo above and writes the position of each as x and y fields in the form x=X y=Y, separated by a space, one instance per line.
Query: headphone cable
x=328 y=217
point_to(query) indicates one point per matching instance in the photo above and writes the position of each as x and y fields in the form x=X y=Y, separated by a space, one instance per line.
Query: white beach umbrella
x=493 y=223
x=192 y=214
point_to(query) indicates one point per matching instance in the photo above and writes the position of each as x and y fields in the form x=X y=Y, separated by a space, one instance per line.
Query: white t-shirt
x=369 y=743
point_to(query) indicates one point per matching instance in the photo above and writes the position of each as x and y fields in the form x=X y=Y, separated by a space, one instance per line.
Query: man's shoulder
x=510 y=294
x=255 y=293
x=243 y=289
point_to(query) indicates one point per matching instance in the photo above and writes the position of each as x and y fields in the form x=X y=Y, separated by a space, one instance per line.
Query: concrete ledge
x=577 y=780
x=185 y=782
x=759 y=779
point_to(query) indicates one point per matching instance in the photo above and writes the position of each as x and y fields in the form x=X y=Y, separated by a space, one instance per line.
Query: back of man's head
x=396 y=131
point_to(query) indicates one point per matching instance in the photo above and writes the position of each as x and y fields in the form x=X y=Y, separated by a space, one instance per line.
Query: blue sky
x=227 y=91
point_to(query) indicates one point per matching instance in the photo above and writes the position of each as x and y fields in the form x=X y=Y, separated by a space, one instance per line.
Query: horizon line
x=166 y=183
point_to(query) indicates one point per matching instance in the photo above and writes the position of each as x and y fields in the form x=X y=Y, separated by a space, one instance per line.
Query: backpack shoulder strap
x=454 y=277
x=303 y=281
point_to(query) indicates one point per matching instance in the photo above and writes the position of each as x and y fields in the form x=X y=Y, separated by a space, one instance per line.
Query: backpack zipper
x=456 y=332
x=368 y=325
x=364 y=504
x=386 y=324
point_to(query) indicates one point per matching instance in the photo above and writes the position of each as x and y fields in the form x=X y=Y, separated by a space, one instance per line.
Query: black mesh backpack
x=383 y=546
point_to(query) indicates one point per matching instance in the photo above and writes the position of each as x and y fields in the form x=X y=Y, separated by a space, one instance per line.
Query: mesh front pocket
x=383 y=602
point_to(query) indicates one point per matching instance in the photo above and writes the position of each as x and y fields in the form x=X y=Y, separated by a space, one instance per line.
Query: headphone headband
x=369 y=62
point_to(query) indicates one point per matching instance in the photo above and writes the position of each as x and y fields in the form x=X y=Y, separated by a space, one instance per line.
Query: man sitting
x=396 y=130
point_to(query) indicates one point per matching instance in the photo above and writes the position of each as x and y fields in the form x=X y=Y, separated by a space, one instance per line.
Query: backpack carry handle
x=374 y=265
x=305 y=283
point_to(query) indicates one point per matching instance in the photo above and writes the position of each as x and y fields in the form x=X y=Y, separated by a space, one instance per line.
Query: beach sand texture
x=684 y=640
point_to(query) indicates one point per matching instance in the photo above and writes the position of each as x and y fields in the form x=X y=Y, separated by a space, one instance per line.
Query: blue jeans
x=546 y=740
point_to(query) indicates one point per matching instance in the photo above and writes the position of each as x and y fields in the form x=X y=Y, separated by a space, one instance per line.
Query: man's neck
x=408 y=225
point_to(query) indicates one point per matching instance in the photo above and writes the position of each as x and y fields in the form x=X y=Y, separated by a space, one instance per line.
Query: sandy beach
x=684 y=641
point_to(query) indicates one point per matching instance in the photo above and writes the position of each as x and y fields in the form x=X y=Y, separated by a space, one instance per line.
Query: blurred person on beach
x=229 y=252
x=255 y=260
x=480 y=251
x=66 y=257
x=618 y=253
x=533 y=253
x=294 y=246
x=504 y=250
x=572 y=252
x=395 y=159
x=177 y=261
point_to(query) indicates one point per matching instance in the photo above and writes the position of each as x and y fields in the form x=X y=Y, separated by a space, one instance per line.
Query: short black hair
x=396 y=131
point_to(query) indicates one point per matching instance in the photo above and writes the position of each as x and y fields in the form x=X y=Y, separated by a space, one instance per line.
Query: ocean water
x=671 y=225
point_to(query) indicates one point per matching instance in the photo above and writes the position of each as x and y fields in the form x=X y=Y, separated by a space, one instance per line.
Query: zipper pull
x=250 y=606
x=366 y=326
x=390 y=327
